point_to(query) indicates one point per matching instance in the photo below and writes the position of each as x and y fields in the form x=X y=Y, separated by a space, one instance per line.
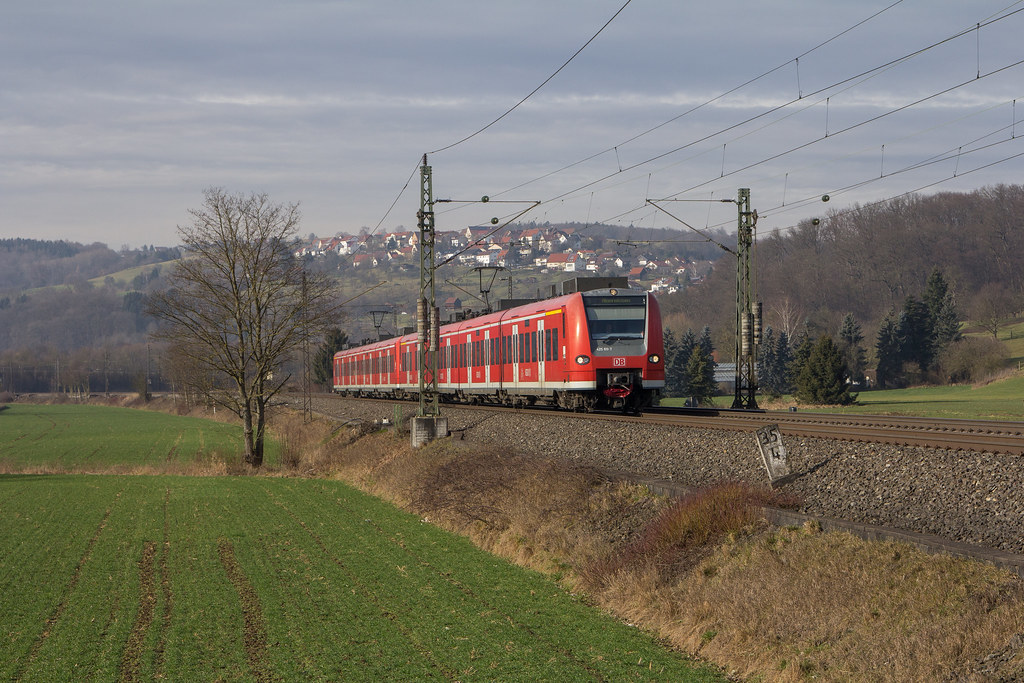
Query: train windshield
x=616 y=318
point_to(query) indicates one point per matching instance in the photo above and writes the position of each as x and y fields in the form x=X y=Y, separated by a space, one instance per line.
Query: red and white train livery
x=599 y=349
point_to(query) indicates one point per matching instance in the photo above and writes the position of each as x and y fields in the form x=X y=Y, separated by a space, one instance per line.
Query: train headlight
x=654 y=358
x=582 y=359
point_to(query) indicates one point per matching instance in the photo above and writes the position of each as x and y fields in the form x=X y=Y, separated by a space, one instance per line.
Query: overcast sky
x=114 y=116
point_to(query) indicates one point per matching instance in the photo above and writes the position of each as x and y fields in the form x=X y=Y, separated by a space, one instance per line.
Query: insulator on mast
x=435 y=328
x=421 y=321
x=758 y=328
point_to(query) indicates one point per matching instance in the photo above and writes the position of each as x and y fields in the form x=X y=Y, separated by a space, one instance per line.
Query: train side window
x=534 y=356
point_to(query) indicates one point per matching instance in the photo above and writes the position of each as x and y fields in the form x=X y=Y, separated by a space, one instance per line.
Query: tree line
x=878 y=264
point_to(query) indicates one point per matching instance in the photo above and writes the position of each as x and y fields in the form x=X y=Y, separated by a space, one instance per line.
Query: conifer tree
x=802 y=346
x=945 y=319
x=850 y=338
x=682 y=358
x=773 y=363
x=822 y=379
x=323 y=371
x=707 y=348
x=917 y=344
x=702 y=383
x=887 y=350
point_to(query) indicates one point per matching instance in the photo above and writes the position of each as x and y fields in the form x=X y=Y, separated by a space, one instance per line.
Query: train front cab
x=617 y=346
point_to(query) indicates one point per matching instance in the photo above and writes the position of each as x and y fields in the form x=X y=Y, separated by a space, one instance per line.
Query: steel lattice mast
x=748 y=312
x=426 y=305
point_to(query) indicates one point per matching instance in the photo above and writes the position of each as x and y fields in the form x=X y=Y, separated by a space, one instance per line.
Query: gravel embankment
x=964 y=496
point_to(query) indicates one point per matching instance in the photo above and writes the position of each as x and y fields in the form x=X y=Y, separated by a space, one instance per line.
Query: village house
x=565 y=261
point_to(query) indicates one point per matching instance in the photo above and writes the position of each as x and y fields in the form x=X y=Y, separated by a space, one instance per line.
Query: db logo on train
x=619 y=362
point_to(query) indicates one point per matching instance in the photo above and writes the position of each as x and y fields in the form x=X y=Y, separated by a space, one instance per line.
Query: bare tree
x=992 y=306
x=240 y=305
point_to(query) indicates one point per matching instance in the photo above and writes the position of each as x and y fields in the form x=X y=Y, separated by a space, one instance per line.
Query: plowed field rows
x=251 y=578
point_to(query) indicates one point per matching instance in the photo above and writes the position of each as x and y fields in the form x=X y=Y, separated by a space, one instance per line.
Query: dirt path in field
x=130 y=661
x=255 y=636
x=165 y=588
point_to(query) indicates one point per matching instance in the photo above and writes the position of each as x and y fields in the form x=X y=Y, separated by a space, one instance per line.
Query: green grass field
x=251 y=578
x=1013 y=336
x=126 y=276
x=1001 y=400
x=116 y=577
x=75 y=436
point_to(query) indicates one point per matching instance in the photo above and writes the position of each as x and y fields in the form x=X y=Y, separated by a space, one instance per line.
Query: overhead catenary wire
x=997 y=17
x=794 y=148
x=706 y=103
x=907 y=193
x=975 y=27
x=534 y=91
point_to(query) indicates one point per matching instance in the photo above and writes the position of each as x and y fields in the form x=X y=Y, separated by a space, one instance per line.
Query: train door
x=446 y=360
x=515 y=358
x=487 y=358
x=538 y=351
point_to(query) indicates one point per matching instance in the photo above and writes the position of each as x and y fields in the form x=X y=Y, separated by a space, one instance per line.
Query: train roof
x=521 y=311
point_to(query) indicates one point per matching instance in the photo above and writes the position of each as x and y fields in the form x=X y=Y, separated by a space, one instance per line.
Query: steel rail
x=954 y=434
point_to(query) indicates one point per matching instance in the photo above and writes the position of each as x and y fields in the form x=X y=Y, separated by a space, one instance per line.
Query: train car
x=598 y=349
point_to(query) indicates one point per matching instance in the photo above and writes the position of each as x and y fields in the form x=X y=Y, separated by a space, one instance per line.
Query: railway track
x=955 y=434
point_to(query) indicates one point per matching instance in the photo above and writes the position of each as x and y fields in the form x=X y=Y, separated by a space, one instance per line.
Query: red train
x=599 y=349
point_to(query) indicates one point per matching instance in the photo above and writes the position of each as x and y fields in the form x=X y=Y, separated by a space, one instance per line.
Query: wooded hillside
x=866 y=260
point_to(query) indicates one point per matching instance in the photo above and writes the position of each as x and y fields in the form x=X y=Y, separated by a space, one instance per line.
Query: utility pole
x=748 y=312
x=307 y=384
x=427 y=424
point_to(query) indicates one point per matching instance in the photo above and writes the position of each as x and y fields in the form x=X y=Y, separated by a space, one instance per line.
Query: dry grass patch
x=793 y=603
x=543 y=514
x=706 y=573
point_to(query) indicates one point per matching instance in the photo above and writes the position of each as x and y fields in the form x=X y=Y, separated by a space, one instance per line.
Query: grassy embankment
x=115 y=577
x=274 y=554
x=704 y=573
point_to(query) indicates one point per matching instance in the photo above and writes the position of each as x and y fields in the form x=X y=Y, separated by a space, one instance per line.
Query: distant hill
x=868 y=259
x=27 y=263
